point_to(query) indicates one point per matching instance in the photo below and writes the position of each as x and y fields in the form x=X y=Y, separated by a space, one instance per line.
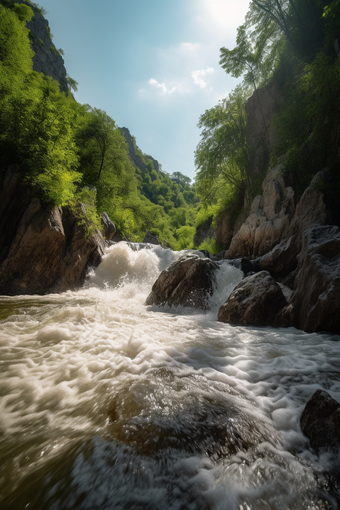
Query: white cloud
x=198 y=76
x=162 y=86
x=188 y=48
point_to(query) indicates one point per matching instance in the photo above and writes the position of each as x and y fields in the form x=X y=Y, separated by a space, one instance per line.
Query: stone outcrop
x=108 y=226
x=255 y=301
x=260 y=132
x=47 y=58
x=312 y=209
x=134 y=156
x=315 y=303
x=274 y=218
x=320 y=422
x=43 y=249
x=270 y=215
x=188 y=281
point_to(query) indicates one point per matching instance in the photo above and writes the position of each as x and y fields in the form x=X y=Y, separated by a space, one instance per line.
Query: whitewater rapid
x=106 y=403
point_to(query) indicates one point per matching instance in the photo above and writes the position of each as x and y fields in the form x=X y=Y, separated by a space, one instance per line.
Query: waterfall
x=106 y=403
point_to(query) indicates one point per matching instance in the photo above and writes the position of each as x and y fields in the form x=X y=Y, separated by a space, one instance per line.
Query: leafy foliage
x=294 y=45
x=75 y=154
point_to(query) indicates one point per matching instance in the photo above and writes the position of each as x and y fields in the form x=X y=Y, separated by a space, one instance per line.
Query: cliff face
x=47 y=59
x=260 y=132
x=135 y=158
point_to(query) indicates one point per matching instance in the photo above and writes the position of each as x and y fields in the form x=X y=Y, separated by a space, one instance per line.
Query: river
x=106 y=403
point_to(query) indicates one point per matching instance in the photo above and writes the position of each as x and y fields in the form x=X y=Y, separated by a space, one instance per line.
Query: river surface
x=106 y=403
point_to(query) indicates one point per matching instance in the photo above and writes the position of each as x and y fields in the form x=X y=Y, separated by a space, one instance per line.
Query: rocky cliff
x=133 y=154
x=47 y=58
x=42 y=249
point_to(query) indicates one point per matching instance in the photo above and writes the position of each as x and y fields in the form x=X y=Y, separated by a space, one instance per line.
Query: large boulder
x=188 y=281
x=315 y=304
x=320 y=422
x=44 y=249
x=255 y=301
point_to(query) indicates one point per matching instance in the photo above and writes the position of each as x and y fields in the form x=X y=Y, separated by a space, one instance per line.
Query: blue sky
x=152 y=65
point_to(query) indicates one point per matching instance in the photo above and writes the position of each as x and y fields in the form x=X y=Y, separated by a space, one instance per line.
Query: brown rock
x=49 y=252
x=255 y=301
x=320 y=422
x=188 y=281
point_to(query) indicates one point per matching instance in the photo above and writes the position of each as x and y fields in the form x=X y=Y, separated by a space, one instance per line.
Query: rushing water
x=108 y=404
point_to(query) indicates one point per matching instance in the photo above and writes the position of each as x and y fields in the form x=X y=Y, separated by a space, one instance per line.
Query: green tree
x=223 y=151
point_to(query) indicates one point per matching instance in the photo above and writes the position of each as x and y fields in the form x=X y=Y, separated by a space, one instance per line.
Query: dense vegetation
x=292 y=45
x=75 y=153
x=72 y=153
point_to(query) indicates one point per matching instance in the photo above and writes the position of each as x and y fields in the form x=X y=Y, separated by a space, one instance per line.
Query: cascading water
x=108 y=404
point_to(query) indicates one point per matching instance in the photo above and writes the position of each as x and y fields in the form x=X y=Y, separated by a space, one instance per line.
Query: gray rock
x=47 y=59
x=315 y=304
x=255 y=301
x=188 y=281
x=320 y=422
x=109 y=226
x=151 y=239
x=282 y=259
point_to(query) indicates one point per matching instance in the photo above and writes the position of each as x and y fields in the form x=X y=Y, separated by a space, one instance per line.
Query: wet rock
x=315 y=304
x=212 y=421
x=320 y=422
x=255 y=301
x=151 y=238
x=188 y=281
x=109 y=226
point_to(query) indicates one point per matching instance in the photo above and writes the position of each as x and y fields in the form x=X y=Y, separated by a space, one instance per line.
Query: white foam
x=65 y=357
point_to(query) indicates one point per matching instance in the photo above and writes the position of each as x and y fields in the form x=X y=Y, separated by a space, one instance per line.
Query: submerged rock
x=188 y=281
x=320 y=422
x=255 y=301
x=199 y=417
